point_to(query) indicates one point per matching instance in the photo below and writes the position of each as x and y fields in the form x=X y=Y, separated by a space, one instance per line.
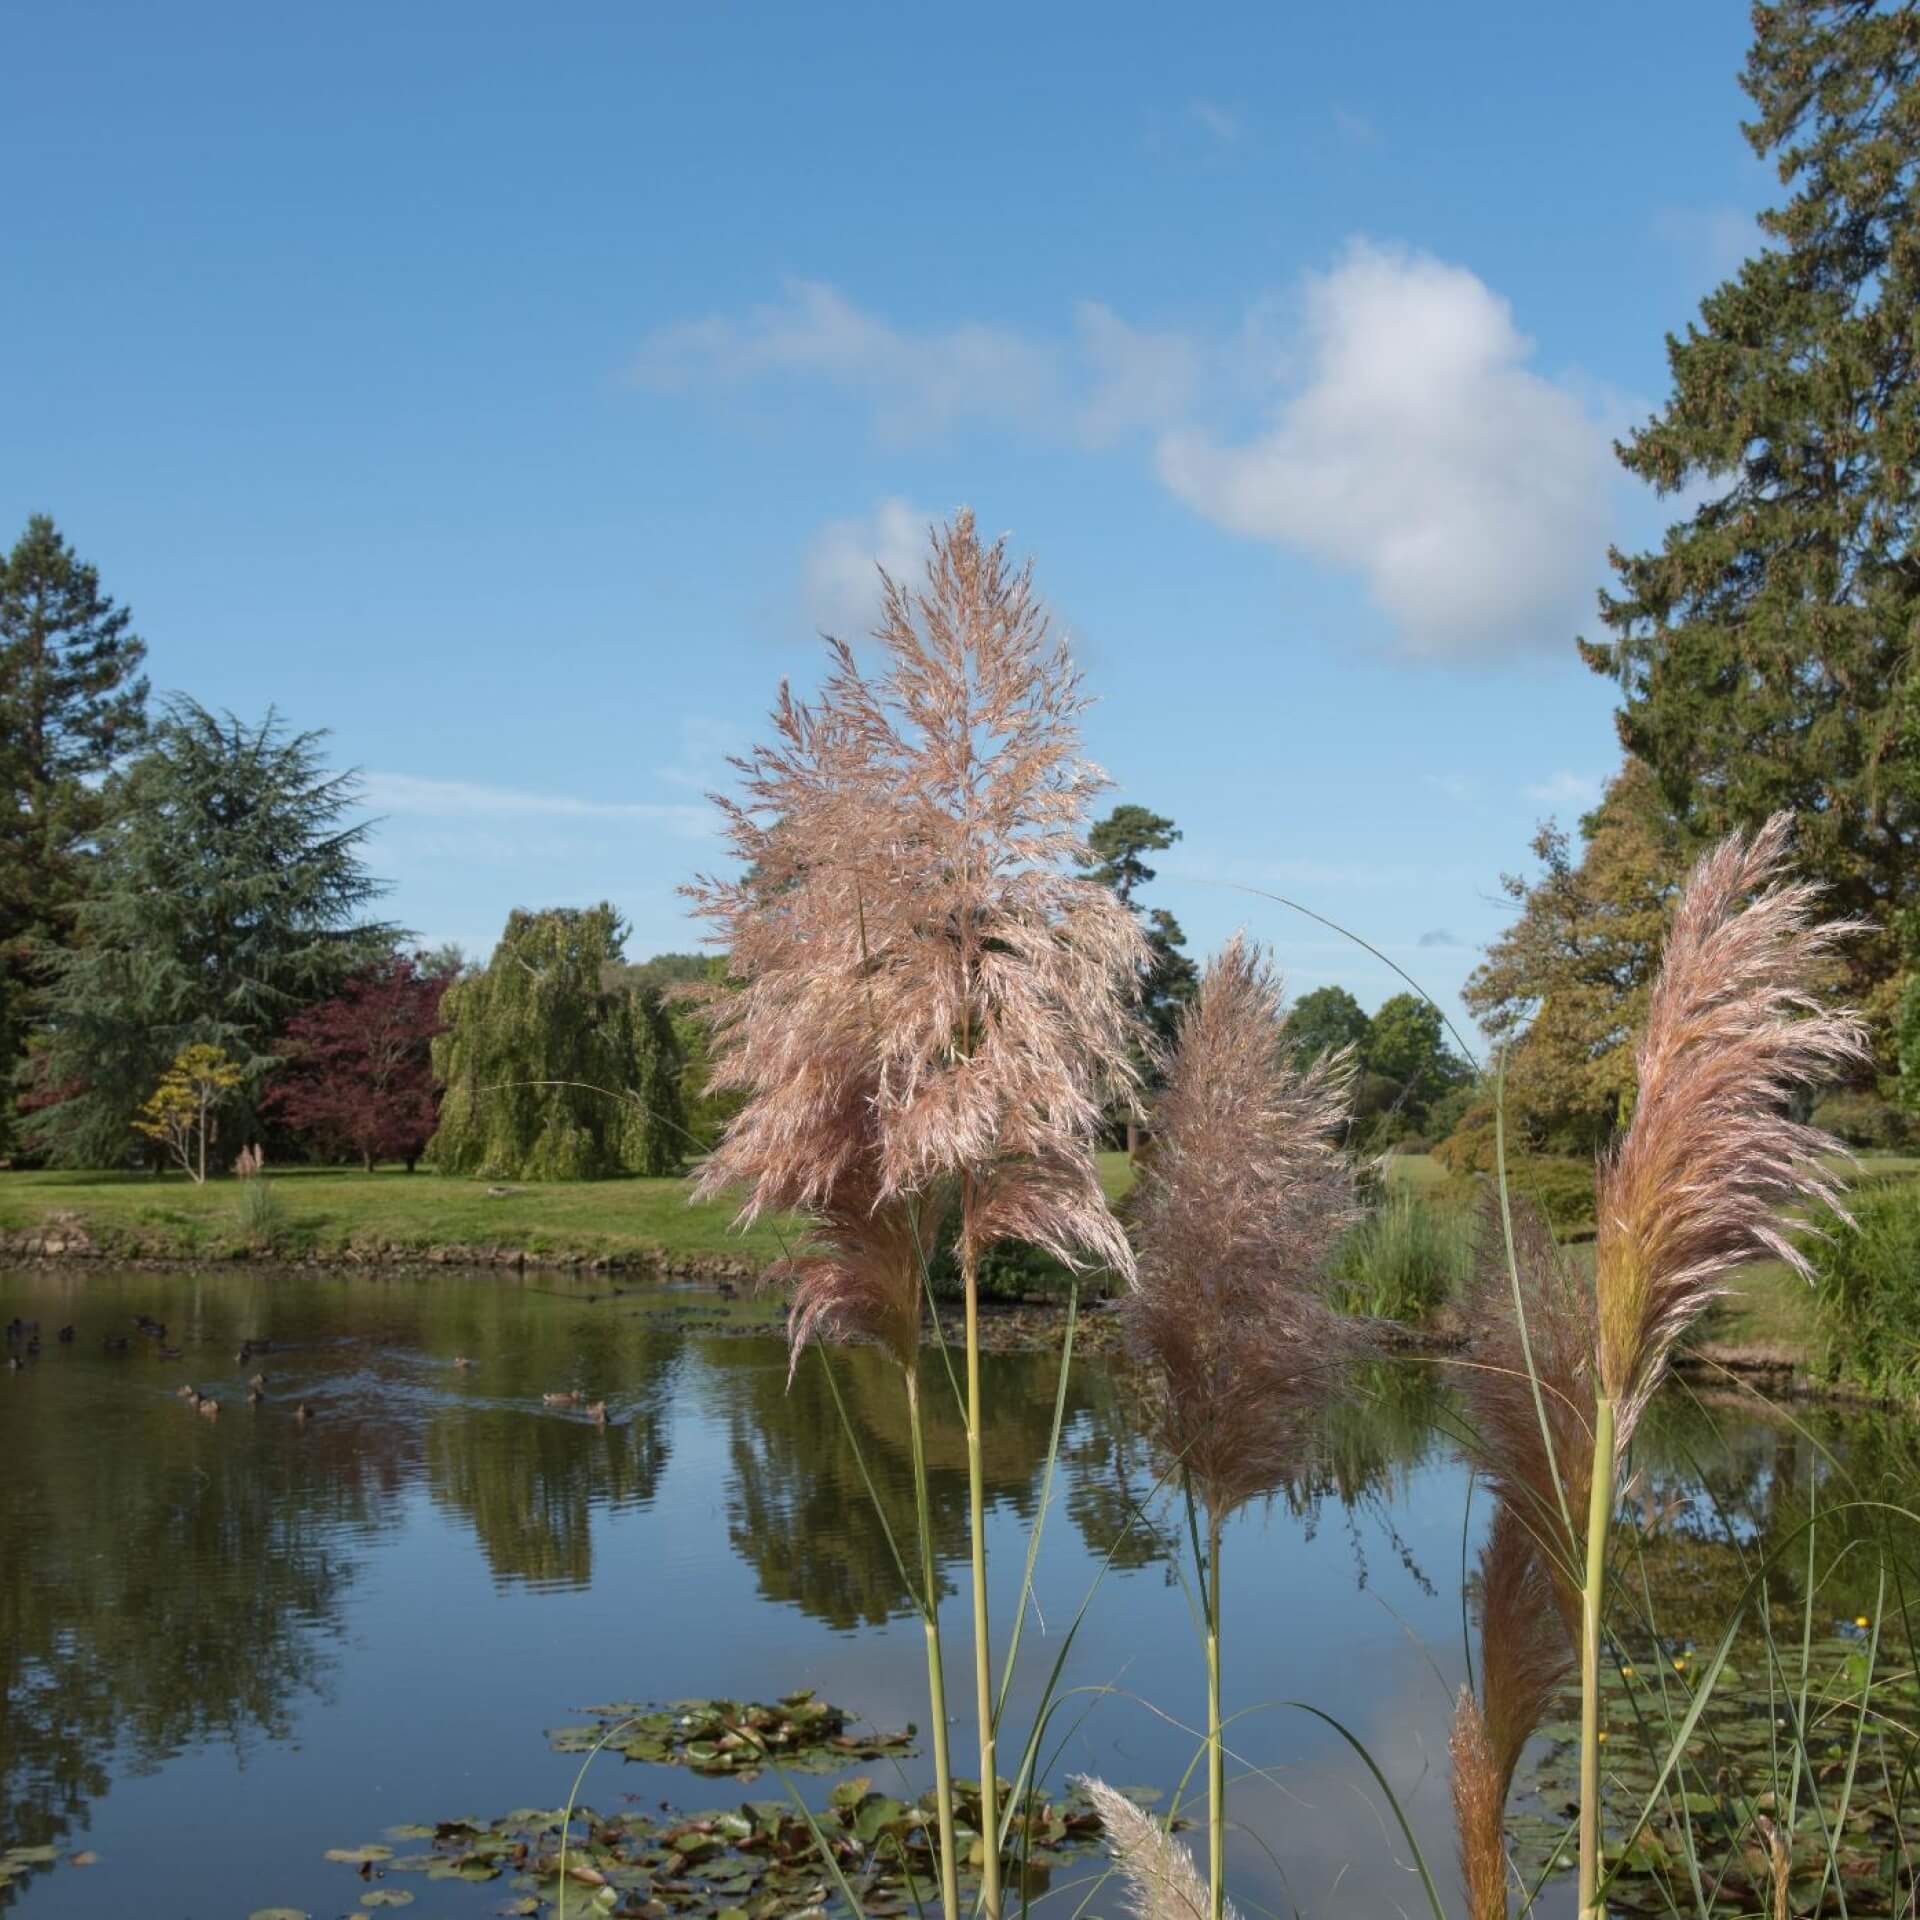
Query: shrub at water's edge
x=1405 y=1259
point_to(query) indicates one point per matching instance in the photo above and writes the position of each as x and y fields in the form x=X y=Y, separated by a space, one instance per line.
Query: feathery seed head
x=1735 y=1029
x=1161 y=1879
x=925 y=994
x=1238 y=1209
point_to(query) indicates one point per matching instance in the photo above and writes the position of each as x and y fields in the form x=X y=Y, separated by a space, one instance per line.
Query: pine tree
x=72 y=704
x=551 y=1072
x=1120 y=841
x=226 y=895
x=1767 y=651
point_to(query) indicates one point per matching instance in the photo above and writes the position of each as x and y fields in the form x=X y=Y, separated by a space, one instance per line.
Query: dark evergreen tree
x=72 y=704
x=1767 y=651
x=553 y=1069
x=227 y=893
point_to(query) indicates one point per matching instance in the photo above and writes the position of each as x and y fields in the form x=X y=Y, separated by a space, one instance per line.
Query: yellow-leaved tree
x=179 y=1113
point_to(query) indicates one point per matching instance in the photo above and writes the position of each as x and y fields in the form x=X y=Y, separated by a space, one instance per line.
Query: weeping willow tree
x=550 y=1072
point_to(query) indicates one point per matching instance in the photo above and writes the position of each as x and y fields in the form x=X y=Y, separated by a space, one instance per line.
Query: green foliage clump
x=1866 y=1280
x=550 y=1073
x=1404 y=1259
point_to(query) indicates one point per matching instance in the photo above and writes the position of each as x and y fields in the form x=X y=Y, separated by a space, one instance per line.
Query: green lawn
x=333 y=1213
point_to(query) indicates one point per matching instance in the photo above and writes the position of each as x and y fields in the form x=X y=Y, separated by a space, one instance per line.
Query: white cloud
x=1224 y=123
x=413 y=795
x=1410 y=441
x=841 y=577
x=1580 y=790
x=1422 y=452
x=918 y=384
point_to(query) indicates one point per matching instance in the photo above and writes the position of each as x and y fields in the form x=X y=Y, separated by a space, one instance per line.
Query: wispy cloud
x=1103 y=379
x=841 y=575
x=1227 y=125
x=413 y=795
x=1437 y=937
x=1581 y=790
x=918 y=383
x=1424 y=454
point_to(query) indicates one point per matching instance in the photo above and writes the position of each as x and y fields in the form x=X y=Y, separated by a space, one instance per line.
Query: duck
x=597 y=1413
x=254 y=1396
x=187 y=1392
x=303 y=1412
x=15 y=1364
x=258 y=1382
x=207 y=1406
x=462 y=1360
x=114 y=1343
x=65 y=1336
x=169 y=1353
x=571 y=1398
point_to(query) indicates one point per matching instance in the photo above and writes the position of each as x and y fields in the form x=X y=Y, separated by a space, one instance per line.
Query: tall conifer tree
x=1768 y=652
x=72 y=704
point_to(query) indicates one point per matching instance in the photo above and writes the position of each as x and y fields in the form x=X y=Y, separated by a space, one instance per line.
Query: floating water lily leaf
x=278 y=1913
x=359 y=1856
x=387 y=1897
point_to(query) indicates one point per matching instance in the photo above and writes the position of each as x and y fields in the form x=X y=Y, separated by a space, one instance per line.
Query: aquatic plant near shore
x=927 y=1007
x=1239 y=1208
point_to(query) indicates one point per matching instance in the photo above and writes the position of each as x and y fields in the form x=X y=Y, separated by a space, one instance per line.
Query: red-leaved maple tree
x=359 y=1073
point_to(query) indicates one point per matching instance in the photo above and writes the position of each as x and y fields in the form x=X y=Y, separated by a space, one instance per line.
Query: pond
x=232 y=1645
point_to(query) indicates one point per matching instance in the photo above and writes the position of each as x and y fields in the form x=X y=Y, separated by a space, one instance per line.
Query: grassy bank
x=329 y=1214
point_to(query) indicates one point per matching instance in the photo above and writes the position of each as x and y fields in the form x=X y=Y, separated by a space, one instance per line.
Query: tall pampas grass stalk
x=1735 y=1030
x=929 y=1007
x=1238 y=1210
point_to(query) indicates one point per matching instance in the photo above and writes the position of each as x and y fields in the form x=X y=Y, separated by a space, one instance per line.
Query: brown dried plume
x=1238 y=1208
x=1525 y=1656
x=927 y=1004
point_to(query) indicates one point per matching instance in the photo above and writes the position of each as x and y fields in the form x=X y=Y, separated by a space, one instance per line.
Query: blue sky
x=516 y=392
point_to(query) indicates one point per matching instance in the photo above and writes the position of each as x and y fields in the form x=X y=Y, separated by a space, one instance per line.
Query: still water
x=229 y=1645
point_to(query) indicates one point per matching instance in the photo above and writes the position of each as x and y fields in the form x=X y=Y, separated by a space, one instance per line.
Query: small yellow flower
x=1860 y=1620
x=1601 y=1735
x=1626 y=1673
x=1680 y=1666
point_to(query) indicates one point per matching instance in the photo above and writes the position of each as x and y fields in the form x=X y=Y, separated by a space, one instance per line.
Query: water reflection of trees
x=528 y=1479
x=157 y=1591
x=800 y=1515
